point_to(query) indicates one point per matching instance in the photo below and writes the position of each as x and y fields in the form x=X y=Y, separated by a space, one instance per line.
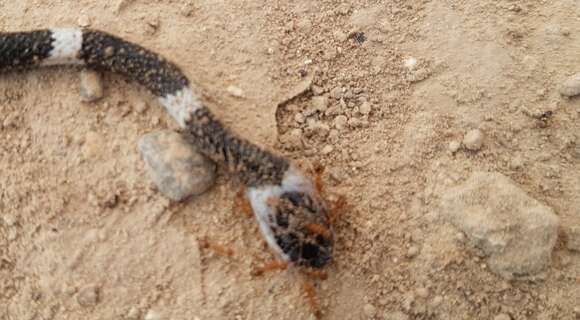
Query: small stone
x=320 y=103
x=84 y=21
x=410 y=63
x=316 y=128
x=397 y=315
x=517 y=163
x=235 y=91
x=571 y=86
x=340 y=122
x=177 y=169
x=337 y=174
x=365 y=108
x=88 y=296
x=152 y=315
x=12 y=234
x=299 y=118
x=327 y=149
x=336 y=93
x=454 y=146
x=91 y=86
x=515 y=231
x=573 y=235
x=502 y=316
x=412 y=252
x=369 y=310
x=473 y=140
x=141 y=106
x=304 y=25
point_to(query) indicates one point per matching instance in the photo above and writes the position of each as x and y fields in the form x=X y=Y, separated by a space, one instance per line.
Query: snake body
x=288 y=208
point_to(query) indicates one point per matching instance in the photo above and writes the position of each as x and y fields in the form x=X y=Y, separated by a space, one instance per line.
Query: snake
x=291 y=211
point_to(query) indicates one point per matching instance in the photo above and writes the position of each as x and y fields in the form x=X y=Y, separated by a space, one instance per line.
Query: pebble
x=571 y=86
x=502 y=316
x=299 y=118
x=91 y=86
x=84 y=21
x=454 y=146
x=410 y=63
x=327 y=149
x=141 y=106
x=366 y=108
x=473 y=140
x=413 y=251
x=316 y=128
x=88 y=296
x=337 y=174
x=340 y=122
x=235 y=91
x=515 y=231
x=177 y=169
x=516 y=163
x=369 y=310
x=336 y=93
x=320 y=103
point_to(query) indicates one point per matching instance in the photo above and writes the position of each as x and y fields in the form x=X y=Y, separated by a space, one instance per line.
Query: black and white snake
x=288 y=207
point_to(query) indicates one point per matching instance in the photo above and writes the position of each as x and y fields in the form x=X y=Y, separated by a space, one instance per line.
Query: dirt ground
x=85 y=235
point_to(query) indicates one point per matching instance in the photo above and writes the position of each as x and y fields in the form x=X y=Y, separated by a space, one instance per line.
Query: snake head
x=294 y=220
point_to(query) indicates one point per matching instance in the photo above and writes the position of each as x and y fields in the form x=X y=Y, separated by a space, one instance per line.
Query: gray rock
x=473 y=140
x=571 y=86
x=88 y=296
x=91 y=86
x=177 y=169
x=516 y=231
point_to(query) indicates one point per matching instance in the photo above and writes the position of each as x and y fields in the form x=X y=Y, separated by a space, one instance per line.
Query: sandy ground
x=85 y=235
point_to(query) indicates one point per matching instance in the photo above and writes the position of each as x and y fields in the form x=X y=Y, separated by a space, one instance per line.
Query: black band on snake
x=286 y=204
